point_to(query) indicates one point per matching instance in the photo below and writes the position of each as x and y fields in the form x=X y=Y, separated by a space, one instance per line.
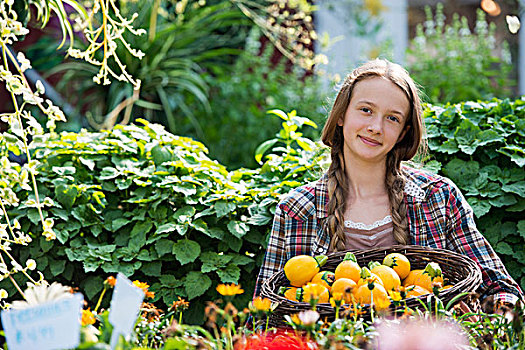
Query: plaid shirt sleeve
x=275 y=255
x=464 y=237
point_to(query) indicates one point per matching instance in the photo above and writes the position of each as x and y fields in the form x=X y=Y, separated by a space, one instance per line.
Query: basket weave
x=461 y=271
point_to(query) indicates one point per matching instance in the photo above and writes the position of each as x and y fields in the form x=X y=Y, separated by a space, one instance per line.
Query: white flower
x=3 y=294
x=25 y=64
x=43 y=293
x=31 y=264
x=308 y=317
x=513 y=23
x=40 y=87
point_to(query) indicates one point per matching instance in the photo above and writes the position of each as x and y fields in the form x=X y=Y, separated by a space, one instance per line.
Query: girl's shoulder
x=300 y=203
x=426 y=181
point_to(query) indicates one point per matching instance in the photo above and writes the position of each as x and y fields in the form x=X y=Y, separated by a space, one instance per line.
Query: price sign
x=48 y=326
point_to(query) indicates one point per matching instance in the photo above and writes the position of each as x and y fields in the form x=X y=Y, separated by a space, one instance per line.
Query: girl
x=369 y=199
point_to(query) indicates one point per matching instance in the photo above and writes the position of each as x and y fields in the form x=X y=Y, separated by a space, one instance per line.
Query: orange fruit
x=431 y=274
x=399 y=263
x=424 y=280
x=388 y=276
x=411 y=277
x=366 y=276
x=302 y=268
x=345 y=286
x=416 y=291
x=288 y=293
x=363 y=295
x=325 y=278
x=348 y=268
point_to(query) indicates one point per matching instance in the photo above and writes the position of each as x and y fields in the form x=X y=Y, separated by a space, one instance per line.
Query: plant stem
x=100 y=298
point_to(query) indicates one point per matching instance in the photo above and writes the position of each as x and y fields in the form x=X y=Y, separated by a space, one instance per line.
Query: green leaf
x=263 y=147
x=138 y=235
x=186 y=251
x=279 y=113
x=516 y=154
x=517 y=187
x=212 y=261
x=504 y=248
x=165 y=228
x=108 y=173
x=479 y=206
x=57 y=267
x=518 y=207
x=461 y=172
x=92 y=286
x=118 y=223
x=230 y=274
x=503 y=200
x=184 y=214
x=521 y=228
x=223 y=208
x=152 y=268
x=66 y=195
x=163 y=247
x=196 y=284
x=238 y=228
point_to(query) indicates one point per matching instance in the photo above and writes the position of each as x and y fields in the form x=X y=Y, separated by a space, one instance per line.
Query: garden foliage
x=454 y=63
x=481 y=147
x=141 y=201
x=154 y=206
x=242 y=93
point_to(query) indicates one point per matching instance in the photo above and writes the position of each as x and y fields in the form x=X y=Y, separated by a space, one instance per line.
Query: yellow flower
x=87 y=317
x=144 y=286
x=336 y=299
x=396 y=296
x=374 y=7
x=261 y=304
x=313 y=290
x=229 y=289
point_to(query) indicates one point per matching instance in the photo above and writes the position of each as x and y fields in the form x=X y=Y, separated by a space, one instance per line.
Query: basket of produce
x=415 y=271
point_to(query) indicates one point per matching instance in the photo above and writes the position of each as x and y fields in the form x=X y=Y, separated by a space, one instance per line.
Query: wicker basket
x=459 y=270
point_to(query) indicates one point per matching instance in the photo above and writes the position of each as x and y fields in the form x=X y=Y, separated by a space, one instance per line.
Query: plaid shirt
x=438 y=217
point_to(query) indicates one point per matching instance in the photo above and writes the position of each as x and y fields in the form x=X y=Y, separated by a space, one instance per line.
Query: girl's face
x=374 y=120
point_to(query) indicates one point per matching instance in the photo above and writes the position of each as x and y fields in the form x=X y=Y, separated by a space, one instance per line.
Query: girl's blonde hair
x=404 y=150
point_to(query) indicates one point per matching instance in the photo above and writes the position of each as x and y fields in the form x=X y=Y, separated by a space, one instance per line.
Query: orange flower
x=180 y=305
x=144 y=286
x=260 y=304
x=111 y=281
x=229 y=289
x=87 y=317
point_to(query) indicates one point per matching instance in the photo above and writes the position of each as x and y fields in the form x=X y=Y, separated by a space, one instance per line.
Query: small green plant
x=454 y=64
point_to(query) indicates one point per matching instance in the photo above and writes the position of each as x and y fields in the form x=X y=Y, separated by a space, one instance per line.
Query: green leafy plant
x=242 y=93
x=152 y=205
x=481 y=147
x=454 y=64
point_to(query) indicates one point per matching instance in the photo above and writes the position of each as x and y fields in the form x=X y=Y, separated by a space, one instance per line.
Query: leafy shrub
x=244 y=92
x=481 y=147
x=141 y=201
x=454 y=64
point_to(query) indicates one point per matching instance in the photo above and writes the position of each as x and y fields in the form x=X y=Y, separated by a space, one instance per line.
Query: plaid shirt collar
x=414 y=189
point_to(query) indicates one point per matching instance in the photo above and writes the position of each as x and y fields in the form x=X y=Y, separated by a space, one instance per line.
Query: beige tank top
x=377 y=235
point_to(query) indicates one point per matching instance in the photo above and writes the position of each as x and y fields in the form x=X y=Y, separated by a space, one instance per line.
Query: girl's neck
x=366 y=179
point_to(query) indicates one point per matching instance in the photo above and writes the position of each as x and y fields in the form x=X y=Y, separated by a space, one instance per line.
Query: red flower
x=280 y=340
